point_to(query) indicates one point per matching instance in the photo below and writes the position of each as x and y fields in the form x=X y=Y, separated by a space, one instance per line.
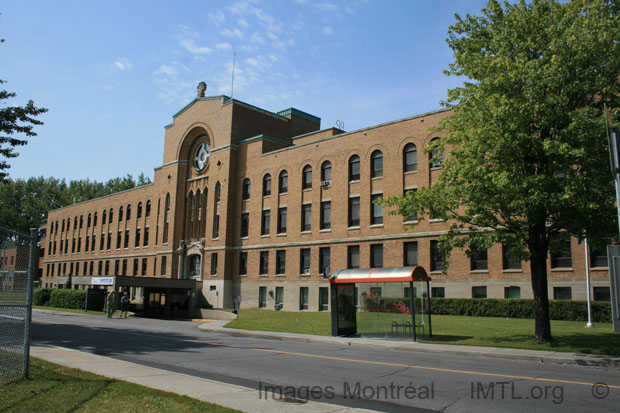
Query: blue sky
x=113 y=73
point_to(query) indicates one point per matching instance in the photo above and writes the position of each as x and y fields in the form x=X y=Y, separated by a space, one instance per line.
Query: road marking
x=378 y=363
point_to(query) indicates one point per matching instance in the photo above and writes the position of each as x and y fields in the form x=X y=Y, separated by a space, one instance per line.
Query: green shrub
x=40 y=296
x=521 y=308
x=65 y=298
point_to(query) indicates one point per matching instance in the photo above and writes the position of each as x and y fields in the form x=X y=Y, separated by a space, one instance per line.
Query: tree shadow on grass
x=447 y=338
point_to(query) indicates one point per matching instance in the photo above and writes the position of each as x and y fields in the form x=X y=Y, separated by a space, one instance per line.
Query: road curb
x=552 y=357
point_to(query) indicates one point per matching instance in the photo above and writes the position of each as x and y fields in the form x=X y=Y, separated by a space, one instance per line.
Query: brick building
x=263 y=205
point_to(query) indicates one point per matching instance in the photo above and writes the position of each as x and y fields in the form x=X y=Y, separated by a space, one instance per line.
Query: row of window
x=303 y=298
x=410 y=164
x=87 y=268
x=105 y=242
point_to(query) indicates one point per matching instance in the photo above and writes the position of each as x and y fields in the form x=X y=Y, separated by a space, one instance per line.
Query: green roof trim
x=266 y=137
x=297 y=112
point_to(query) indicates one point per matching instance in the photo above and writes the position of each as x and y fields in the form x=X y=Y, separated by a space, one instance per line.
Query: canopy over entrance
x=380 y=275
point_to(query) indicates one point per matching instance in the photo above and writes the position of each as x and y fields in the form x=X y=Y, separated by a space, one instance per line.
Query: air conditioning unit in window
x=326 y=183
x=306 y=271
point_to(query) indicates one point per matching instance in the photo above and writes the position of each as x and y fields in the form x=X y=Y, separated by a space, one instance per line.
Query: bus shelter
x=387 y=303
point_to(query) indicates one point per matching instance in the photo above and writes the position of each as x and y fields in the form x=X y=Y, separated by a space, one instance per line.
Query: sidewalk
x=608 y=362
x=227 y=395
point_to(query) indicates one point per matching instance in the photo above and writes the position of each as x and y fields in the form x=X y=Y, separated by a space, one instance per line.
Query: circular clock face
x=201 y=156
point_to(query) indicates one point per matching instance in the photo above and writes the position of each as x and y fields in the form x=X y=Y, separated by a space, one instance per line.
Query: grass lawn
x=569 y=336
x=53 y=388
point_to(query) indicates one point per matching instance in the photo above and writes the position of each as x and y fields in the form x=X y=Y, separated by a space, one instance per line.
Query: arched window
x=410 y=158
x=326 y=172
x=147 y=212
x=68 y=224
x=376 y=164
x=166 y=210
x=88 y=220
x=75 y=221
x=139 y=211
x=192 y=212
x=245 y=189
x=128 y=212
x=217 y=192
x=354 y=168
x=283 y=182
x=306 y=179
x=111 y=215
x=120 y=214
x=104 y=216
x=95 y=219
x=81 y=221
x=62 y=226
x=267 y=185
x=435 y=157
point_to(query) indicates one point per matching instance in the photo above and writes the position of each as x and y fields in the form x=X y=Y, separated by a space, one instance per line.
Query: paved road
x=376 y=379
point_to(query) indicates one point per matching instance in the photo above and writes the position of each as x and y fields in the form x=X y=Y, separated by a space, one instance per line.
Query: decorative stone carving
x=201 y=89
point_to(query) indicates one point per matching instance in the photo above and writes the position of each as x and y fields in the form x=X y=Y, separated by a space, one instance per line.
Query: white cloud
x=166 y=70
x=224 y=46
x=242 y=23
x=326 y=6
x=252 y=61
x=123 y=64
x=257 y=38
x=327 y=30
x=217 y=17
x=191 y=47
x=232 y=33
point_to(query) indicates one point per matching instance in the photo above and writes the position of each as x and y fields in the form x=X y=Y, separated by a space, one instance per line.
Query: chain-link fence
x=17 y=260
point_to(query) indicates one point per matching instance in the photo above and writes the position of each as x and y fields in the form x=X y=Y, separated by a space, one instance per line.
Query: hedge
x=40 y=296
x=521 y=308
x=65 y=298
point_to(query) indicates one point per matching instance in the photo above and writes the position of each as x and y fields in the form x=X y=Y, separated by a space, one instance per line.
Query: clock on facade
x=201 y=156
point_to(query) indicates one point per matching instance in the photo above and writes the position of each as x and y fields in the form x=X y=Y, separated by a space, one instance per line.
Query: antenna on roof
x=232 y=86
x=340 y=124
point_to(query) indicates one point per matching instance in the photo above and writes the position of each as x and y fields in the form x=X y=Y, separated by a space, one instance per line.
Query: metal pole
x=589 y=324
x=86 y=301
x=31 y=269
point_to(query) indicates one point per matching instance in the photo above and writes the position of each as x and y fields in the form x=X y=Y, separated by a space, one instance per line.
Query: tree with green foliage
x=526 y=138
x=15 y=120
x=24 y=204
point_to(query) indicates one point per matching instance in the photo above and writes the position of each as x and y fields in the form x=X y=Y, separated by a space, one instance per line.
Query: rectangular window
x=303 y=298
x=437 y=257
x=509 y=262
x=479 y=260
x=124 y=267
x=213 y=263
x=304 y=261
x=79 y=246
x=243 y=263
x=598 y=254
x=410 y=254
x=438 y=292
x=100 y=268
x=117 y=266
x=137 y=240
x=280 y=261
x=216 y=226
x=326 y=215
x=376 y=256
x=562 y=293
x=601 y=294
x=265 y=222
x=107 y=268
x=354 y=212
x=264 y=263
x=102 y=242
x=145 y=241
x=143 y=267
x=109 y=240
x=126 y=240
x=245 y=224
x=512 y=292
x=135 y=266
x=562 y=257
x=353 y=256
x=377 y=210
x=73 y=246
x=282 y=220
x=119 y=235
x=479 y=292
x=279 y=297
x=306 y=217
x=323 y=299
x=262 y=297
x=163 y=265
x=324 y=258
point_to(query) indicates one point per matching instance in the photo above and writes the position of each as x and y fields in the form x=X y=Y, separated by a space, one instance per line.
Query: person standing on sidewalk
x=110 y=303
x=124 y=305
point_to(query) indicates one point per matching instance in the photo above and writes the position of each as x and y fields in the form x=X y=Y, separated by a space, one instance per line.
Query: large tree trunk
x=538 y=266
